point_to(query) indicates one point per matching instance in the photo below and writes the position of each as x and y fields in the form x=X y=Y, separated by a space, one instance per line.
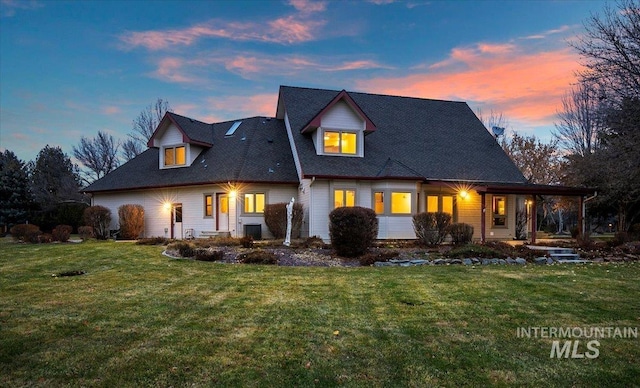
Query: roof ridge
x=374 y=94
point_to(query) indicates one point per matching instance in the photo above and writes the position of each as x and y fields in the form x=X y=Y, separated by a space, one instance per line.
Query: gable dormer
x=339 y=128
x=180 y=140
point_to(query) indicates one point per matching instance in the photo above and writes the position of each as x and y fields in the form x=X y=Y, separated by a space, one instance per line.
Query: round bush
x=352 y=230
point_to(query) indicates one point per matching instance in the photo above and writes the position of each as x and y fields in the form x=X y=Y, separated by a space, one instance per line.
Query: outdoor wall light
x=166 y=206
x=464 y=194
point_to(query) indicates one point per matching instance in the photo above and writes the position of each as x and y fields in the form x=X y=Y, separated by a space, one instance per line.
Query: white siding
x=507 y=233
x=158 y=217
x=170 y=137
x=341 y=116
x=319 y=210
x=304 y=197
x=469 y=210
x=395 y=226
x=292 y=143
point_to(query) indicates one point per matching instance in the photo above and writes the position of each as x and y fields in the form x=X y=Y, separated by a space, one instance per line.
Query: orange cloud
x=110 y=110
x=307 y=6
x=255 y=105
x=523 y=86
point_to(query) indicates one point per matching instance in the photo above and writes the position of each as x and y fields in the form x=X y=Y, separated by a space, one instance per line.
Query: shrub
x=62 y=233
x=258 y=256
x=246 y=242
x=476 y=250
x=99 y=218
x=205 y=254
x=131 y=218
x=184 y=248
x=424 y=225
x=275 y=216
x=352 y=230
x=431 y=228
x=86 y=232
x=461 y=233
x=620 y=238
x=370 y=258
x=43 y=238
x=313 y=242
x=26 y=233
x=153 y=241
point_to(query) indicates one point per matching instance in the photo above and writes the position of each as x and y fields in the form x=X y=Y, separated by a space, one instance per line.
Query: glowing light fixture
x=166 y=206
x=464 y=194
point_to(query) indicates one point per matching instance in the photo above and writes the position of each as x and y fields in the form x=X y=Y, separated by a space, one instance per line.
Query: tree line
x=47 y=191
x=596 y=141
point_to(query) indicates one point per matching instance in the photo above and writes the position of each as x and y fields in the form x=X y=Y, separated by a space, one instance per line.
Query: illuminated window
x=342 y=198
x=338 y=142
x=208 y=205
x=400 y=203
x=254 y=203
x=223 y=206
x=440 y=204
x=499 y=211
x=378 y=202
x=175 y=156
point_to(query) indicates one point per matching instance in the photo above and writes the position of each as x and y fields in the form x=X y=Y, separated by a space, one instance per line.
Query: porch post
x=534 y=219
x=581 y=225
x=483 y=221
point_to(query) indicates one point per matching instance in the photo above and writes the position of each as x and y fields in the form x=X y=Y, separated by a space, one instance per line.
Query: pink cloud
x=525 y=86
x=172 y=69
x=110 y=110
x=255 y=105
x=291 y=29
x=307 y=6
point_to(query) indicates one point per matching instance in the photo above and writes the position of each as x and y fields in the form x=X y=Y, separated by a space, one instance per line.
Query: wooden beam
x=483 y=221
x=534 y=219
x=581 y=227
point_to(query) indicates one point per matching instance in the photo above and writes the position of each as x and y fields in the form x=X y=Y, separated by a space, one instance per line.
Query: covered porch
x=532 y=192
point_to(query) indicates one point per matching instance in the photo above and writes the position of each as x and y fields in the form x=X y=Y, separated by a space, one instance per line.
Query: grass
x=137 y=318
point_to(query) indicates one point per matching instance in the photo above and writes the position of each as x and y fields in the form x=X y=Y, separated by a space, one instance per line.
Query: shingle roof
x=259 y=151
x=432 y=139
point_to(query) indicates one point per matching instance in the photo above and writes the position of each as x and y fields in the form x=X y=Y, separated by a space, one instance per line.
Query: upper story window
x=340 y=142
x=175 y=156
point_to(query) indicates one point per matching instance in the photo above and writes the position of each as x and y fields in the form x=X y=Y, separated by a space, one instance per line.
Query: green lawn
x=137 y=318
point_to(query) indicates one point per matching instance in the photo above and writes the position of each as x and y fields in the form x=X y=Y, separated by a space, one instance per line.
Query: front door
x=176 y=221
x=222 y=219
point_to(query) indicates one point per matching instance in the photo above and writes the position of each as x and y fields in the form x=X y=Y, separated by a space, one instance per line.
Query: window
x=254 y=203
x=440 y=203
x=342 y=198
x=339 y=142
x=175 y=156
x=223 y=205
x=208 y=205
x=378 y=202
x=499 y=211
x=400 y=203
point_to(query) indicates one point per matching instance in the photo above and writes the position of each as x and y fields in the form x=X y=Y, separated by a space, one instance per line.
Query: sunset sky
x=71 y=69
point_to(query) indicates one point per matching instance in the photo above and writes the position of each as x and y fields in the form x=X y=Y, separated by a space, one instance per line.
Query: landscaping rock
x=502 y=261
x=455 y=261
x=418 y=262
x=510 y=261
x=486 y=261
x=383 y=264
x=540 y=260
x=549 y=260
x=467 y=262
x=521 y=261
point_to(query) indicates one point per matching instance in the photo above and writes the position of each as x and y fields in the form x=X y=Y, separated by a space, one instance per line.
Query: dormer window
x=340 y=142
x=175 y=156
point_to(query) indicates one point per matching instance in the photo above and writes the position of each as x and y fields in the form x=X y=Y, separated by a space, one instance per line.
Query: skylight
x=233 y=128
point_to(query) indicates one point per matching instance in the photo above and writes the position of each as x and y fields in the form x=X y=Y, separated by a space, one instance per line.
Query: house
x=325 y=148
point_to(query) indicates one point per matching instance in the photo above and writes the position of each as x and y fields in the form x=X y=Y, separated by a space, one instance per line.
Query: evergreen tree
x=15 y=197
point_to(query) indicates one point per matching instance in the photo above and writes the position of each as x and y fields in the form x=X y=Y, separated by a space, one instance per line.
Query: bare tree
x=581 y=119
x=143 y=127
x=131 y=148
x=611 y=49
x=99 y=156
x=494 y=119
x=539 y=162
